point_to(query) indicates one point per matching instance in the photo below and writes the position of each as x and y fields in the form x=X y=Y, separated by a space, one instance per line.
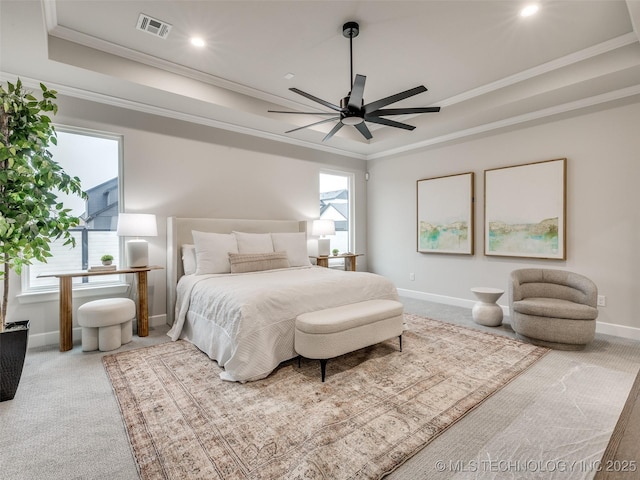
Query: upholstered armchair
x=553 y=308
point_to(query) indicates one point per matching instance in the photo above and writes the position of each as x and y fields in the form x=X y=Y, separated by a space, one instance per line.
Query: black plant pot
x=13 y=348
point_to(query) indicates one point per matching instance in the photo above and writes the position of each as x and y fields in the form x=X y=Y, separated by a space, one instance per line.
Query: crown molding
x=174 y=114
x=516 y=120
x=587 y=53
x=480 y=129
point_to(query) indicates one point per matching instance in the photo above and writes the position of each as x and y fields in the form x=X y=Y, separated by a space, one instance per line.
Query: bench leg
x=323 y=368
x=400 y=338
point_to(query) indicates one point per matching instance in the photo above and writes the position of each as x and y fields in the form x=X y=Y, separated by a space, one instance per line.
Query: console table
x=349 y=260
x=66 y=306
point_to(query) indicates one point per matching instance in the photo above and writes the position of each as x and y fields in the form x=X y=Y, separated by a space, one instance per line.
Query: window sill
x=92 y=291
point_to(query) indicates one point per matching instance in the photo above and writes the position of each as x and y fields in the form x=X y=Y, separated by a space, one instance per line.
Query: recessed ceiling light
x=197 y=42
x=529 y=10
x=289 y=76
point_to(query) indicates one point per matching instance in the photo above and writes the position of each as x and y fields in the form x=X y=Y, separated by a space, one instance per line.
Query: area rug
x=377 y=407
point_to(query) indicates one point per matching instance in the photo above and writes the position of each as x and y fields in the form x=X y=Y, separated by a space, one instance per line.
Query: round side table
x=486 y=311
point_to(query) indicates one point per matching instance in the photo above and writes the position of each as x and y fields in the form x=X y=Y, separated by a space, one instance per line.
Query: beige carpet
x=377 y=407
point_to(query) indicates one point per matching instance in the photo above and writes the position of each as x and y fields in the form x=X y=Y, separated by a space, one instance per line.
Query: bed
x=244 y=319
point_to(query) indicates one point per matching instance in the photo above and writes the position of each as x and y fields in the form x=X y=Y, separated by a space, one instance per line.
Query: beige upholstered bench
x=335 y=331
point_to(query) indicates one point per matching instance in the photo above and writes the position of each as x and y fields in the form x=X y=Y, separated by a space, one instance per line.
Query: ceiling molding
x=516 y=120
x=164 y=112
x=634 y=14
x=176 y=115
x=50 y=14
x=604 y=47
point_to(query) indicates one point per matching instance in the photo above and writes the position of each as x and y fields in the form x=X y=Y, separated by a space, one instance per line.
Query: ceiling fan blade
x=357 y=91
x=312 y=124
x=362 y=128
x=403 y=111
x=389 y=123
x=303 y=113
x=333 y=131
x=373 y=106
x=316 y=99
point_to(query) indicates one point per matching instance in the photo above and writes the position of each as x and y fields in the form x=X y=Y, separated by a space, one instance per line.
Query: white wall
x=174 y=168
x=603 y=219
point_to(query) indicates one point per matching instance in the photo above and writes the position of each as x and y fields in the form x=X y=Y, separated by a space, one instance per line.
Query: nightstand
x=349 y=260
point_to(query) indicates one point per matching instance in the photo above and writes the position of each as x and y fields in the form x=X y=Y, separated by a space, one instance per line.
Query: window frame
x=43 y=293
x=351 y=191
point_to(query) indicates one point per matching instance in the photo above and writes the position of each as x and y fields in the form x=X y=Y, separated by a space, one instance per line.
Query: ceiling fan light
x=352 y=120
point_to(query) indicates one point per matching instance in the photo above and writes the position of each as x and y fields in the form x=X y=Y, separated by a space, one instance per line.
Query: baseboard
x=454 y=301
x=623 y=331
x=53 y=338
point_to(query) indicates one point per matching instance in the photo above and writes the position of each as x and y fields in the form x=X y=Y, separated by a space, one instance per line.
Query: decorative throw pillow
x=257 y=262
x=295 y=244
x=254 y=242
x=189 y=259
x=212 y=251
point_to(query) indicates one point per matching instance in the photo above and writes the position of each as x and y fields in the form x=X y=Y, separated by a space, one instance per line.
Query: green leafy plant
x=106 y=258
x=31 y=217
x=335 y=251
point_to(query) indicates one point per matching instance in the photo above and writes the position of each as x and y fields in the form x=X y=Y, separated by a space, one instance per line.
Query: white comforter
x=246 y=321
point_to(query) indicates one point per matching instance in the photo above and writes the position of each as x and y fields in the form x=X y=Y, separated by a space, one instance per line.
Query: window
x=335 y=204
x=95 y=159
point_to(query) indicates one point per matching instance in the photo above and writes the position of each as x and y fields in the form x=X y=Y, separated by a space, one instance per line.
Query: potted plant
x=335 y=252
x=30 y=215
x=106 y=259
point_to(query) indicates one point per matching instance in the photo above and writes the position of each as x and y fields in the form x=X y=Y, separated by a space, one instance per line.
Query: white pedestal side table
x=486 y=311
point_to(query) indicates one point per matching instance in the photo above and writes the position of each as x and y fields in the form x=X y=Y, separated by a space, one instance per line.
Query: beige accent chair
x=553 y=308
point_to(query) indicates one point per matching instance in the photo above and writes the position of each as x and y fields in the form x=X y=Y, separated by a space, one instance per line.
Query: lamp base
x=324 y=247
x=138 y=253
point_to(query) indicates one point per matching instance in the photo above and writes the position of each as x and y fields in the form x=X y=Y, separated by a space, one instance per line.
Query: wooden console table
x=66 y=306
x=349 y=260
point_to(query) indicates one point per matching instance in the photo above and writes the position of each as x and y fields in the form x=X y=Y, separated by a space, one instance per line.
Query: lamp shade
x=323 y=227
x=137 y=225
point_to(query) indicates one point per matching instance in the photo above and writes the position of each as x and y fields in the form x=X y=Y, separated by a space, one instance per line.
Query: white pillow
x=295 y=244
x=212 y=251
x=254 y=242
x=189 y=259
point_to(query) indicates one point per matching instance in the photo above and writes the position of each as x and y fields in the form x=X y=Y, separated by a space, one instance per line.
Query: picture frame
x=525 y=210
x=445 y=214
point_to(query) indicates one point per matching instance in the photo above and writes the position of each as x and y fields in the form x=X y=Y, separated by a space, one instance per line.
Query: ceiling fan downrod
x=350 y=30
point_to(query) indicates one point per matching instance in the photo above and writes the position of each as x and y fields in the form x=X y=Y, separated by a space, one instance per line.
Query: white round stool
x=106 y=324
x=486 y=311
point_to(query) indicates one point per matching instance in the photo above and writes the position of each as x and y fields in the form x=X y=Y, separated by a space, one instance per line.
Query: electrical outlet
x=602 y=301
x=412 y=276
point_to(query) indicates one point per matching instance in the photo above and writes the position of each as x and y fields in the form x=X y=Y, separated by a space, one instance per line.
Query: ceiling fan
x=352 y=110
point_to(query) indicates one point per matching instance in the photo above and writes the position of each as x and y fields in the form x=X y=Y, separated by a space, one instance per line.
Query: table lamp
x=137 y=225
x=322 y=228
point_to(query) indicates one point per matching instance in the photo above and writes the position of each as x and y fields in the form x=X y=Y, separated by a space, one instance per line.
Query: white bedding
x=246 y=321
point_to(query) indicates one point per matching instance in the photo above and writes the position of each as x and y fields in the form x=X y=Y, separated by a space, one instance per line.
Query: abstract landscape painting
x=445 y=214
x=525 y=209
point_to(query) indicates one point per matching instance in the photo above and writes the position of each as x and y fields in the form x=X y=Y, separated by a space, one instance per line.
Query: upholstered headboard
x=179 y=233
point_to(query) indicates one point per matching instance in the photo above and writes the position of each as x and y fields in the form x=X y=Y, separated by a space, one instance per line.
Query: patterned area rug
x=377 y=408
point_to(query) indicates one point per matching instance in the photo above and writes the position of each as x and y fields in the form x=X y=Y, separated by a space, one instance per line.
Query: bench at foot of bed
x=335 y=331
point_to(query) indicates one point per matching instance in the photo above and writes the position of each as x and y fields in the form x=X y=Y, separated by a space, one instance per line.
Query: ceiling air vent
x=155 y=27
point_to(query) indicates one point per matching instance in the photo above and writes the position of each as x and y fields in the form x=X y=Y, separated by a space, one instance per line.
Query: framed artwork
x=445 y=214
x=525 y=210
